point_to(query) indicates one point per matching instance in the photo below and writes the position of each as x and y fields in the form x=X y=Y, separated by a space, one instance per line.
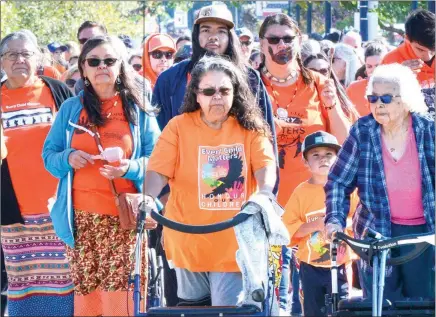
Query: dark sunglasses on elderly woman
x=209 y=92
x=95 y=62
x=384 y=98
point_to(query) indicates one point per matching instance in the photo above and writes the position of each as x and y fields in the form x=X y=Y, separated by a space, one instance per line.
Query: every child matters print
x=222 y=177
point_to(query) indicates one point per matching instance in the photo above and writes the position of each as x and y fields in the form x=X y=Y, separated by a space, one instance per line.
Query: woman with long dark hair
x=109 y=111
x=214 y=156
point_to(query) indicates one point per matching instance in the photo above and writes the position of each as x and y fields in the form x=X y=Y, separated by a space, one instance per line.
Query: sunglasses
x=246 y=43
x=82 y=41
x=323 y=71
x=70 y=82
x=95 y=62
x=137 y=67
x=276 y=40
x=384 y=98
x=209 y=92
x=159 y=54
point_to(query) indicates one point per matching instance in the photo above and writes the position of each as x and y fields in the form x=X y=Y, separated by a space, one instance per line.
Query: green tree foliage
x=59 y=20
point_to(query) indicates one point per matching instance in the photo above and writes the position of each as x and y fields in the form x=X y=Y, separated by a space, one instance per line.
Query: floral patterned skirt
x=103 y=256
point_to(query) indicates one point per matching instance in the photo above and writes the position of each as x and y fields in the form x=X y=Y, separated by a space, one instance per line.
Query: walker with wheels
x=374 y=250
x=149 y=299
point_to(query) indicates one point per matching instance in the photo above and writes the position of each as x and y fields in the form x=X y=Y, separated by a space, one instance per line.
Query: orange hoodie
x=405 y=52
x=166 y=42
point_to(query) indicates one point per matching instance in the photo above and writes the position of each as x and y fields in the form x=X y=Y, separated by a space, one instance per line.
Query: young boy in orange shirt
x=304 y=217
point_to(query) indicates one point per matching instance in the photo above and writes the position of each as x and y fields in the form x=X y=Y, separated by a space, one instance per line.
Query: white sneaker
x=283 y=312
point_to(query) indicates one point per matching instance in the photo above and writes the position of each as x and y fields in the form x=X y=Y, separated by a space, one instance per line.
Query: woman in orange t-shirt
x=214 y=156
x=110 y=109
x=29 y=243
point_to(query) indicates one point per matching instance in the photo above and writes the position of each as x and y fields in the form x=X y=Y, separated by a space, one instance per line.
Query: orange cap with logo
x=161 y=41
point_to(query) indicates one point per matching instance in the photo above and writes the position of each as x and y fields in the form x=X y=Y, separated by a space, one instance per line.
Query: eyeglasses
x=323 y=71
x=276 y=40
x=384 y=98
x=95 y=62
x=209 y=92
x=246 y=43
x=70 y=82
x=13 y=56
x=159 y=54
x=83 y=41
x=137 y=67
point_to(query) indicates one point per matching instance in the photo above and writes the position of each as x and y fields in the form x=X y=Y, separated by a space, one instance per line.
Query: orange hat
x=153 y=42
x=161 y=41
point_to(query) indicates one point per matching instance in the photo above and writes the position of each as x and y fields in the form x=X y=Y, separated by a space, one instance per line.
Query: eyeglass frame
x=272 y=39
x=18 y=54
x=220 y=90
x=162 y=54
x=380 y=97
x=104 y=60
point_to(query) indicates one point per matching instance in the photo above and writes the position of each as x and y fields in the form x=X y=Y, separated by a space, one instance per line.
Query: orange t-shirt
x=91 y=191
x=426 y=76
x=211 y=174
x=357 y=94
x=305 y=115
x=52 y=72
x=61 y=69
x=27 y=115
x=307 y=204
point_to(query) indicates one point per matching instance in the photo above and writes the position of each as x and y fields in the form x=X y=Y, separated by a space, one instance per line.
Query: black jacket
x=10 y=211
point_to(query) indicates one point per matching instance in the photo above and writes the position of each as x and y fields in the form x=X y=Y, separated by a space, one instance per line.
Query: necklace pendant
x=392 y=149
x=282 y=113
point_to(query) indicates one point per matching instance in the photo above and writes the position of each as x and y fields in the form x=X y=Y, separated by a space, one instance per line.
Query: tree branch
x=390 y=28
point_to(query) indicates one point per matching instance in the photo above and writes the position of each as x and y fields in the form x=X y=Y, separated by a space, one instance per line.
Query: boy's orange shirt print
x=307 y=204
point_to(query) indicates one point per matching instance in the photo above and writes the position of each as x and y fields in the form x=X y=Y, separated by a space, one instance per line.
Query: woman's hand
x=148 y=203
x=331 y=228
x=112 y=172
x=329 y=95
x=79 y=159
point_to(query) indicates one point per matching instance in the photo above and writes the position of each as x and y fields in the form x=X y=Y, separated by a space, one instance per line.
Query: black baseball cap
x=318 y=139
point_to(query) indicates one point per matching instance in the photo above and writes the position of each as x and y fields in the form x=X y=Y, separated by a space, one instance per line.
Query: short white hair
x=23 y=35
x=404 y=78
x=355 y=36
x=310 y=47
x=347 y=53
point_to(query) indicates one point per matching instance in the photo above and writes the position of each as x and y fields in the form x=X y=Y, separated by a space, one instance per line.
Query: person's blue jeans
x=411 y=279
x=295 y=299
x=284 y=282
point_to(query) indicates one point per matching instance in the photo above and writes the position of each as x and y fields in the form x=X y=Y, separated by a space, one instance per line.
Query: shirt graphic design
x=222 y=176
x=318 y=246
x=291 y=135
x=33 y=113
